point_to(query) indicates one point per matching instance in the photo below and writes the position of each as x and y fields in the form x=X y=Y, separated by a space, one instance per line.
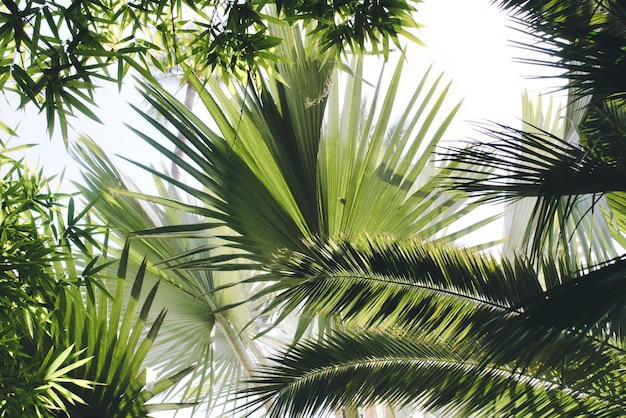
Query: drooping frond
x=534 y=164
x=455 y=292
x=587 y=38
x=386 y=282
x=459 y=328
x=576 y=228
x=568 y=181
x=368 y=368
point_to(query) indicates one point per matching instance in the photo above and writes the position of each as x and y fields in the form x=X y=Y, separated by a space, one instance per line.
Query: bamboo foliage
x=69 y=348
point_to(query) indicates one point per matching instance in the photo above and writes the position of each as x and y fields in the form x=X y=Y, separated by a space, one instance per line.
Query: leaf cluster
x=207 y=316
x=287 y=154
x=447 y=329
x=55 y=54
x=67 y=348
x=37 y=272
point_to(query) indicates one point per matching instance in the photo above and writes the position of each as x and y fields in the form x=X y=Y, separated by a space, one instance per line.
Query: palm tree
x=287 y=157
x=458 y=330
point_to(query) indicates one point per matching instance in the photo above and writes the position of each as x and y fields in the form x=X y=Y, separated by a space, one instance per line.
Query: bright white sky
x=466 y=39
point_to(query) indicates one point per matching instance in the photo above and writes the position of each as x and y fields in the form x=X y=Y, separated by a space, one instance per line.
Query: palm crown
x=311 y=200
x=288 y=156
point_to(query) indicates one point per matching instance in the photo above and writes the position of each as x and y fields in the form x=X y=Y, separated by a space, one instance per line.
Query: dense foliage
x=313 y=227
x=33 y=284
x=55 y=53
x=68 y=346
x=306 y=157
x=438 y=315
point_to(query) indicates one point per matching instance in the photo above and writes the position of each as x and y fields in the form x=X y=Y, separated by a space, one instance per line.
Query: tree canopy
x=308 y=206
x=55 y=53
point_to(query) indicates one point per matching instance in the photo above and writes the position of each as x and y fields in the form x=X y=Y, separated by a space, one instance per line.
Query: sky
x=468 y=40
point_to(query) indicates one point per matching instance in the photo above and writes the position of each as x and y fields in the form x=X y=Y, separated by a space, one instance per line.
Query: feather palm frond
x=587 y=38
x=456 y=326
x=574 y=227
x=534 y=164
x=456 y=292
x=452 y=379
x=568 y=181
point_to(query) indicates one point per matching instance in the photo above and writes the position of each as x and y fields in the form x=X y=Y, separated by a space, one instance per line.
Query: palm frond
x=376 y=282
x=382 y=282
x=567 y=180
x=616 y=217
x=375 y=176
x=512 y=325
x=599 y=290
x=587 y=37
x=379 y=367
x=306 y=149
x=533 y=164
x=574 y=227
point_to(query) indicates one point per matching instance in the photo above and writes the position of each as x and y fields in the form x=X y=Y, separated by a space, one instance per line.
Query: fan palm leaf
x=199 y=330
x=352 y=172
x=285 y=156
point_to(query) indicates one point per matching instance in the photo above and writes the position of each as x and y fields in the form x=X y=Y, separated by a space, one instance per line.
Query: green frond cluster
x=447 y=329
x=306 y=255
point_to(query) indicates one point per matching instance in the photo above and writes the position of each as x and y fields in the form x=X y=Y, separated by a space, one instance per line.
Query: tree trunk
x=379 y=411
x=370 y=412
